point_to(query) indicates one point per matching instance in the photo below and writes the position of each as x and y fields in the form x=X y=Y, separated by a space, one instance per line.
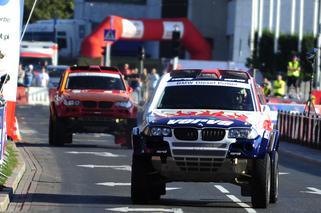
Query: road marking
x=100 y=154
x=240 y=203
x=283 y=173
x=112 y=184
x=28 y=131
x=312 y=191
x=127 y=209
x=235 y=199
x=222 y=189
x=118 y=167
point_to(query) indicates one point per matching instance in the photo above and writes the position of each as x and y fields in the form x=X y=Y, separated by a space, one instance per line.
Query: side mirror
x=129 y=89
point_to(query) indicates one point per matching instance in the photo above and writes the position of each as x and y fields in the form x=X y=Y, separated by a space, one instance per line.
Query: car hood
x=206 y=118
x=97 y=95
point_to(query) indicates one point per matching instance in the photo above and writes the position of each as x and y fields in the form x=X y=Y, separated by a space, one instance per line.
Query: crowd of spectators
x=28 y=76
x=143 y=83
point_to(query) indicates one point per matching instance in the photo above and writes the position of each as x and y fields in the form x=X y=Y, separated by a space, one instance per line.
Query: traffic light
x=176 y=43
x=141 y=53
x=103 y=51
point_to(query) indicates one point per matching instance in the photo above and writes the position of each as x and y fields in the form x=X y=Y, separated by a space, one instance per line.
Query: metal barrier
x=300 y=128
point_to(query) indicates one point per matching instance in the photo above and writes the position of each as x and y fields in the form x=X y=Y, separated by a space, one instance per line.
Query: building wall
x=210 y=18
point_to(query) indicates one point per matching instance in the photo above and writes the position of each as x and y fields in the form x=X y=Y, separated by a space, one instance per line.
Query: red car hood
x=97 y=95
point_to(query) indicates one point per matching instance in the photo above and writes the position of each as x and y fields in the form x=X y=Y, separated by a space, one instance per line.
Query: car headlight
x=242 y=133
x=160 y=131
x=71 y=102
x=124 y=104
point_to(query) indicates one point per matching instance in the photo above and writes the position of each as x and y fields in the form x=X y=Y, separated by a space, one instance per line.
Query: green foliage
x=270 y=63
x=49 y=9
x=11 y=163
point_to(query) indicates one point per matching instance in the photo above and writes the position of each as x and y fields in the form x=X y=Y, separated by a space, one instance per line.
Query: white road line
x=118 y=167
x=127 y=209
x=283 y=173
x=100 y=154
x=240 y=203
x=222 y=189
x=312 y=191
x=113 y=184
x=235 y=199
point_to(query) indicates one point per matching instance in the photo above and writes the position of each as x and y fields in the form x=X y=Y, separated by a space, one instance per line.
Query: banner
x=10 y=31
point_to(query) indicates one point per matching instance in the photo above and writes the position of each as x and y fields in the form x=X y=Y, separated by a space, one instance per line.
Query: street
x=93 y=175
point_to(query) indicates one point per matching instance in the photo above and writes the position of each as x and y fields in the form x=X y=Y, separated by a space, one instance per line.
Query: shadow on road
x=299 y=165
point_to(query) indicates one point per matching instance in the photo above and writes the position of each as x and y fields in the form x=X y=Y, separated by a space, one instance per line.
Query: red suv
x=91 y=99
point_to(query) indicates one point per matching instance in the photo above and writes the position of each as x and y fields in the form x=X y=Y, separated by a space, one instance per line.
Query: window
x=62 y=43
x=95 y=83
x=206 y=97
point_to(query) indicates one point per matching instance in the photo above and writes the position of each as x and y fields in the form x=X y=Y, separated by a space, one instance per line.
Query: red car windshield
x=100 y=81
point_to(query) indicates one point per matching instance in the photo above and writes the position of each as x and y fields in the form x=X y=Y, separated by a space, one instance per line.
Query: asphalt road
x=93 y=175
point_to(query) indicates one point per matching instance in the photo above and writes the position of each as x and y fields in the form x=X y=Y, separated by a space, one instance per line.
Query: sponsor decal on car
x=196 y=121
x=209 y=83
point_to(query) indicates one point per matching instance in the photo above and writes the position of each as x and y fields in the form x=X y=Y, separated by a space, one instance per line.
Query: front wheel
x=274 y=178
x=261 y=182
x=57 y=132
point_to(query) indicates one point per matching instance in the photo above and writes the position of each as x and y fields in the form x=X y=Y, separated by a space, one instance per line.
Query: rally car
x=206 y=126
x=92 y=99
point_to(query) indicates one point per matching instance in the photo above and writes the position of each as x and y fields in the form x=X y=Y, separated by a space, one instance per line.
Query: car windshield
x=95 y=82
x=206 y=97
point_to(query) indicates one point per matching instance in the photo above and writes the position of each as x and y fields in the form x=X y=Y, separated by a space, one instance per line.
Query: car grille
x=104 y=104
x=199 y=164
x=195 y=152
x=212 y=134
x=186 y=134
x=89 y=104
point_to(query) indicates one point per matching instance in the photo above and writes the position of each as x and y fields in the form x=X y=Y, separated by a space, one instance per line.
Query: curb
x=12 y=183
x=300 y=156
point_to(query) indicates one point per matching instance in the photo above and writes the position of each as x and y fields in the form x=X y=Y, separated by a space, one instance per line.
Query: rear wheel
x=274 y=178
x=261 y=182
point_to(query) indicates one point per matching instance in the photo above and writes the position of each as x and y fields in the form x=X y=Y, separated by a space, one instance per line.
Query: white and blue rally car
x=206 y=126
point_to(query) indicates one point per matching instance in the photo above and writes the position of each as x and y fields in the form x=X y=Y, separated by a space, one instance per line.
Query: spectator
x=21 y=75
x=43 y=78
x=279 y=86
x=28 y=76
x=126 y=71
x=267 y=87
x=153 y=79
x=294 y=70
x=144 y=84
x=134 y=82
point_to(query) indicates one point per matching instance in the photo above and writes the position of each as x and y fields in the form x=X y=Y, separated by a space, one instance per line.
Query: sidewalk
x=301 y=152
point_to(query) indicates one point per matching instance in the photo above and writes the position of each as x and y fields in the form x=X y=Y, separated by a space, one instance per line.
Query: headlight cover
x=160 y=131
x=124 y=104
x=71 y=102
x=242 y=133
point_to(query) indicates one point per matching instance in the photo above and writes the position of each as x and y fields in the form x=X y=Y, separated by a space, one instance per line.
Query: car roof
x=210 y=74
x=99 y=69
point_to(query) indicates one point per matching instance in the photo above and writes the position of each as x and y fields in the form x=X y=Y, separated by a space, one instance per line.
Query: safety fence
x=300 y=128
x=33 y=95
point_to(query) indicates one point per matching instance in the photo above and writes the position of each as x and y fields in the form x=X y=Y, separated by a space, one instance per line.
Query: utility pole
x=277 y=25
x=271 y=15
x=293 y=16
x=318 y=81
x=301 y=25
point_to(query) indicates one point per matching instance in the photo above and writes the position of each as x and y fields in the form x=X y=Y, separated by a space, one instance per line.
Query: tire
x=58 y=132
x=140 y=180
x=50 y=131
x=261 y=182
x=68 y=138
x=274 y=193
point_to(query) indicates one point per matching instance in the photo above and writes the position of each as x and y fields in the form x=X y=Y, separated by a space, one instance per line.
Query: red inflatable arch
x=147 y=30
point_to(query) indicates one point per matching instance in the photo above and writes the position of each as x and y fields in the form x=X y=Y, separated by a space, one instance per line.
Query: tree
x=49 y=9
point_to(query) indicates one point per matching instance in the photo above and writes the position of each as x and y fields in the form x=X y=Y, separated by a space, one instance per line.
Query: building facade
x=226 y=24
